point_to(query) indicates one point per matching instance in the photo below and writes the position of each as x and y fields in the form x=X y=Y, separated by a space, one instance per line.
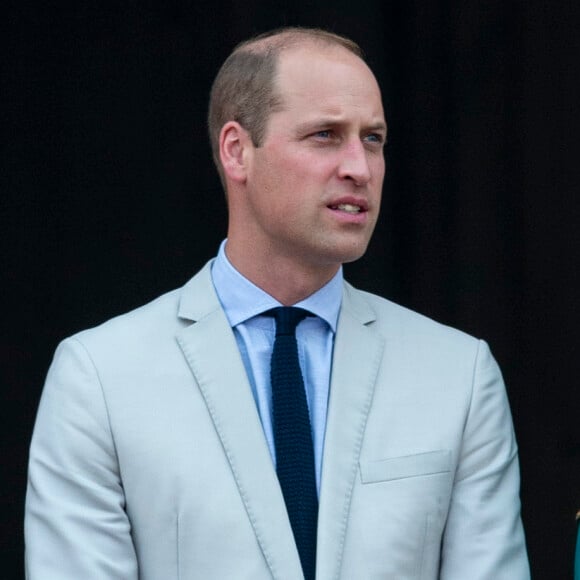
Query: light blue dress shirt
x=244 y=304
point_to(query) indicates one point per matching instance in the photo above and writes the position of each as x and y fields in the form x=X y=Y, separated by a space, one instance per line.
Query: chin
x=348 y=254
x=352 y=257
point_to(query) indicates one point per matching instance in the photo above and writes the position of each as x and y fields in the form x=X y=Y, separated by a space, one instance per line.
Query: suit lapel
x=212 y=353
x=358 y=351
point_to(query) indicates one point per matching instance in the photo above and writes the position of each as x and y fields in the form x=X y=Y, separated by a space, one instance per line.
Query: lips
x=349 y=205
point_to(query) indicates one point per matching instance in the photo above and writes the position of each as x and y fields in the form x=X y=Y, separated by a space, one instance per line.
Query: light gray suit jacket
x=148 y=458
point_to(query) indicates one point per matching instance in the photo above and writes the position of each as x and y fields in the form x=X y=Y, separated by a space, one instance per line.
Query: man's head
x=304 y=174
x=244 y=89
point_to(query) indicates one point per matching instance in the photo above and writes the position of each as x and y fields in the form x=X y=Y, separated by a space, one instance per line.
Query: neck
x=287 y=280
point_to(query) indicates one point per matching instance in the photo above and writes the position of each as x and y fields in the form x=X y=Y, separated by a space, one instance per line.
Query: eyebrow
x=330 y=121
x=380 y=126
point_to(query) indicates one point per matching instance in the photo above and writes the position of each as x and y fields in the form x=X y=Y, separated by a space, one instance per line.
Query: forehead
x=326 y=77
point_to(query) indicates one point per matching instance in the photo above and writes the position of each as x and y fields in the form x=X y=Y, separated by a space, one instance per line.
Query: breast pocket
x=406 y=466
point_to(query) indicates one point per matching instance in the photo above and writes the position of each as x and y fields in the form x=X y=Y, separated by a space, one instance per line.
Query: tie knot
x=287 y=318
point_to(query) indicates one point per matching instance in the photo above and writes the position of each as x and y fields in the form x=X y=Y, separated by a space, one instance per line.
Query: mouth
x=350 y=205
x=350 y=208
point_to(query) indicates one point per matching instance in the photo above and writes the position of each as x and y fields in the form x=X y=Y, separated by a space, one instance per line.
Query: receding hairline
x=280 y=40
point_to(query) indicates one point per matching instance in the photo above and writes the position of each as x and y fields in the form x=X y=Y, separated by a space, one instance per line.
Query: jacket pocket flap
x=416 y=465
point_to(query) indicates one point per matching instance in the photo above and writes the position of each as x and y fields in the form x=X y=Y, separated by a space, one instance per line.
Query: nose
x=354 y=164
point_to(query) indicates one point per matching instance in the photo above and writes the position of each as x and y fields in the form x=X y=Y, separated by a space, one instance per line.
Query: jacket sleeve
x=484 y=537
x=76 y=525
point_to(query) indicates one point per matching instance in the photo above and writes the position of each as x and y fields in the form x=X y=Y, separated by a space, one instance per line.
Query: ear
x=234 y=145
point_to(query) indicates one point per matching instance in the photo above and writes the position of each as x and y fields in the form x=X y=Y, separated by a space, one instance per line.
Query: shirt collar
x=242 y=300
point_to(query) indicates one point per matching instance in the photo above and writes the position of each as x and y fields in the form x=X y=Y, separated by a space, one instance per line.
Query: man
x=156 y=445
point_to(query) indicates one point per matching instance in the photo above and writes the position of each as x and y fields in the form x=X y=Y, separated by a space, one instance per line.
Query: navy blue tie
x=293 y=437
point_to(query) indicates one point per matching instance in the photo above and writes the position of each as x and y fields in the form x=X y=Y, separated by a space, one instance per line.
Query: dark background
x=108 y=196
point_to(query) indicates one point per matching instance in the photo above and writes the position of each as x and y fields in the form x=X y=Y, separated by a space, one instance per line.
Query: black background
x=108 y=196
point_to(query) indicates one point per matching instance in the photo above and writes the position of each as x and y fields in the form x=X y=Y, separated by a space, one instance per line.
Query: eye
x=375 y=138
x=324 y=134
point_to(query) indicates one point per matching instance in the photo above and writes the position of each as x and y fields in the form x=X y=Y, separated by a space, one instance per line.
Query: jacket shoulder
x=159 y=319
x=407 y=325
x=157 y=316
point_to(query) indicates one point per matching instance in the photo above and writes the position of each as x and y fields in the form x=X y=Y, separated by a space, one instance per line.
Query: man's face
x=314 y=185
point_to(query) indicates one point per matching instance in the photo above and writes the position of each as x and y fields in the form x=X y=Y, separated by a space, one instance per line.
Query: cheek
x=278 y=169
x=290 y=181
x=316 y=165
x=378 y=168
